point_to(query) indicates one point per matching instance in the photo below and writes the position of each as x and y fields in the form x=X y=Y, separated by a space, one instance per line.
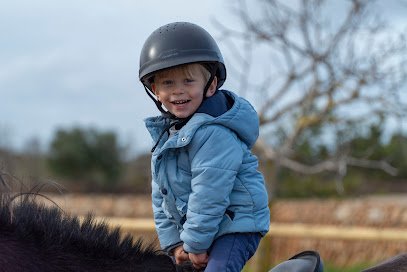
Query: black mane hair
x=34 y=237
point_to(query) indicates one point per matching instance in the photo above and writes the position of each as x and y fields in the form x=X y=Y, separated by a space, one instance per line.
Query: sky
x=72 y=63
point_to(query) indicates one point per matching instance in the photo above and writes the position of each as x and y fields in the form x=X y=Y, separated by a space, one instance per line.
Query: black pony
x=34 y=237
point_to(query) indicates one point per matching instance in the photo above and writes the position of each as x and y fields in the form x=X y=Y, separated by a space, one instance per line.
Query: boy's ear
x=212 y=87
x=154 y=89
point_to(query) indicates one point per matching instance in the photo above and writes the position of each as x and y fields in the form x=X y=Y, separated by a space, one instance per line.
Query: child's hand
x=180 y=255
x=199 y=260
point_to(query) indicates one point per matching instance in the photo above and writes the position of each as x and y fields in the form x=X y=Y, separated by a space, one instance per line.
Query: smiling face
x=180 y=89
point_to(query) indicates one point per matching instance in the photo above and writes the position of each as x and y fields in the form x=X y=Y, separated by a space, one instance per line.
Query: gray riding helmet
x=176 y=44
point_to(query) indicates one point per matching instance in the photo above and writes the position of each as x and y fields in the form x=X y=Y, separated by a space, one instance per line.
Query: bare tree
x=327 y=67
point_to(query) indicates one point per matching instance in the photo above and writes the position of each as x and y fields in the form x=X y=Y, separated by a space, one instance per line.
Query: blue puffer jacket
x=205 y=181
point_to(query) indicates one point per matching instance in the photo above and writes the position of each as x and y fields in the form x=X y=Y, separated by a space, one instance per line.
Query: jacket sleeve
x=167 y=231
x=216 y=156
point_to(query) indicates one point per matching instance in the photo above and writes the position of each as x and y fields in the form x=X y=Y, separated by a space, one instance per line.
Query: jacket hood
x=241 y=118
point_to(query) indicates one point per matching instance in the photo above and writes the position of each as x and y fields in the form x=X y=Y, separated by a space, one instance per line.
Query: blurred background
x=328 y=79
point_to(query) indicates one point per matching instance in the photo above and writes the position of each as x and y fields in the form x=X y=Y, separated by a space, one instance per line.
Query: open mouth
x=180 y=102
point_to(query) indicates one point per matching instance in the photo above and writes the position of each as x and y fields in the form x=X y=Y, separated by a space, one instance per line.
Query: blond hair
x=189 y=70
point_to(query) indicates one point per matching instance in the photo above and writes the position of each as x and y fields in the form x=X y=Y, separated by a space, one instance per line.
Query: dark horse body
x=38 y=238
x=395 y=264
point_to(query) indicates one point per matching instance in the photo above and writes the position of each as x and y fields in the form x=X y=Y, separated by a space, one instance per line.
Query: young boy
x=209 y=201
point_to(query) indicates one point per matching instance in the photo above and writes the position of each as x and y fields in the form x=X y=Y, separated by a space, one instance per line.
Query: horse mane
x=61 y=242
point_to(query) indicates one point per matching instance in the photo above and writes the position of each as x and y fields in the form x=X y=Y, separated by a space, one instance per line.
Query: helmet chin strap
x=156 y=101
x=212 y=70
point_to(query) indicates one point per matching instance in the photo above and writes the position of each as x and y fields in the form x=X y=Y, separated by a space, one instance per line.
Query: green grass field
x=356 y=268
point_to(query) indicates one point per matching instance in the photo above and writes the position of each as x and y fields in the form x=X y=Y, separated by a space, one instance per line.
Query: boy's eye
x=189 y=80
x=166 y=82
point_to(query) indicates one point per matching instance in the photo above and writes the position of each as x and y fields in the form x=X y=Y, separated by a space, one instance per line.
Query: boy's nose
x=178 y=89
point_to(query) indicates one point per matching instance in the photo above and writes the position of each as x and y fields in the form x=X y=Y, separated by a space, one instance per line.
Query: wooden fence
x=285 y=230
x=345 y=244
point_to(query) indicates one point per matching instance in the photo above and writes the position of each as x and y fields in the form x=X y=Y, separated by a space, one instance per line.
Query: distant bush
x=86 y=155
